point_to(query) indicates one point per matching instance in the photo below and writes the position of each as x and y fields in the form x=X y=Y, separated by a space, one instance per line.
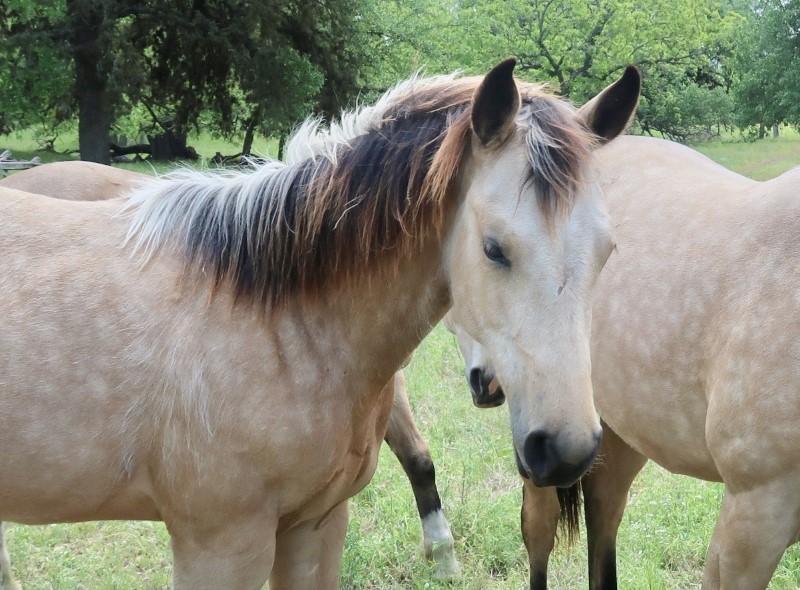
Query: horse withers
x=201 y=337
x=696 y=328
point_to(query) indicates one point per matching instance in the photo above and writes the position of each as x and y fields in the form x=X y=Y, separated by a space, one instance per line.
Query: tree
x=35 y=80
x=580 y=46
x=184 y=57
x=767 y=87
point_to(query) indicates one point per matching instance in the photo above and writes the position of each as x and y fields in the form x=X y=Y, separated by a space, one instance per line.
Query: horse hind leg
x=411 y=450
x=6 y=580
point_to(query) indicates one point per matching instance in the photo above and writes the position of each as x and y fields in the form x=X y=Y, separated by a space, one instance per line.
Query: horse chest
x=353 y=442
x=646 y=415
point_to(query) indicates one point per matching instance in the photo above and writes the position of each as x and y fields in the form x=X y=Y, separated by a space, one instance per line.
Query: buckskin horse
x=189 y=354
x=695 y=349
x=78 y=180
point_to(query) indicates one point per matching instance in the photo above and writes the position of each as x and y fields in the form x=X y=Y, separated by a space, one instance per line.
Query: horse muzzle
x=544 y=461
x=486 y=390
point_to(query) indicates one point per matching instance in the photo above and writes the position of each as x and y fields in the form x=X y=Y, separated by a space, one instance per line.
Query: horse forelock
x=366 y=192
x=558 y=144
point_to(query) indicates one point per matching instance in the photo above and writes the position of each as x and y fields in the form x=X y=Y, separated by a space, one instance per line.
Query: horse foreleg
x=754 y=529
x=6 y=580
x=540 y=514
x=238 y=554
x=411 y=450
x=605 y=495
x=309 y=555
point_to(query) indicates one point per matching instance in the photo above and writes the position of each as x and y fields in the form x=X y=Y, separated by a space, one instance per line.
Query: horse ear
x=609 y=113
x=496 y=103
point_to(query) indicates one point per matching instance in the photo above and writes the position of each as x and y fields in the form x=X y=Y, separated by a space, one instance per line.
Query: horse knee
x=421 y=471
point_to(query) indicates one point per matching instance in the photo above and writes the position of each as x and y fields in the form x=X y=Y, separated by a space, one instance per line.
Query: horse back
x=75 y=181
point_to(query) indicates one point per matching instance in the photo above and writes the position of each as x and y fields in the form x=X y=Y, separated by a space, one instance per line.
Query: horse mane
x=368 y=190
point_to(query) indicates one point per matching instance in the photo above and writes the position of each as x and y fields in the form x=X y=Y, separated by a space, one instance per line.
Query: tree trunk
x=281 y=146
x=94 y=118
x=775 y=131
x=91 y=82
x=250 y=129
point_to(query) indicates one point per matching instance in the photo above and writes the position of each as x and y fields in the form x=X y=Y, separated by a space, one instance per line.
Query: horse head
x=529 y=242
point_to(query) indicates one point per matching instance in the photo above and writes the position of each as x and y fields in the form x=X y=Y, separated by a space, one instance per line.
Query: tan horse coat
x=77 y=180
x=148 y=389
x=74 y=180
x=696 y=357
x=697 y=340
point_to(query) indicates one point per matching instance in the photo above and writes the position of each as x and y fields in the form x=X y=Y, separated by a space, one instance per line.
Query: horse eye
x=494 y=252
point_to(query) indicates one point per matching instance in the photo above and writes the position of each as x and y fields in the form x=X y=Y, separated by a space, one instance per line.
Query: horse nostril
x=540 y=455
x=475 y=381
x=554 y=464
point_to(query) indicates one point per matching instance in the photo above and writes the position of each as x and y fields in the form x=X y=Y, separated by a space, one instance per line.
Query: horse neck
x=378 y=322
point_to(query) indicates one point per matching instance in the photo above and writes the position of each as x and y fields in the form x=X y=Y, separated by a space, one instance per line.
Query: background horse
x=695 y=359
x=203 y=373
x=74 y=181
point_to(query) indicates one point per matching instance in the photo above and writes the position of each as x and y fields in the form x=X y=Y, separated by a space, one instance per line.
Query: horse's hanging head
x=527 y=245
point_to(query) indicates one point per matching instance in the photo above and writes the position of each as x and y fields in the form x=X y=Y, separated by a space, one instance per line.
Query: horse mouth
x=486 y=391
x=492 y=399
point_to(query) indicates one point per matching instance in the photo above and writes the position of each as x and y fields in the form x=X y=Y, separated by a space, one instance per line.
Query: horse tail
x=570 y=500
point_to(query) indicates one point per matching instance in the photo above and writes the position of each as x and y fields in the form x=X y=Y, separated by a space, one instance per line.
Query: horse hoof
x=439 y=546
x=447 y=567
x=444 y=556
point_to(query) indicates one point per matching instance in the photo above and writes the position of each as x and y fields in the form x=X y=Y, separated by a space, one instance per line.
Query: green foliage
x=675 y=106
x=402 y=37
x=35 y=81
x=240 y=67
x=768 y=65
x=240 y=64
x=579 y=47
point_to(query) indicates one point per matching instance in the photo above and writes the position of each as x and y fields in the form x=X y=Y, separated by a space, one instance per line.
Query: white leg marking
x=439 y=545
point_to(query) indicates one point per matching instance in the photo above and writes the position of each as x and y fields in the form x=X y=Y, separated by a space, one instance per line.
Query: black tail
x=570 y=500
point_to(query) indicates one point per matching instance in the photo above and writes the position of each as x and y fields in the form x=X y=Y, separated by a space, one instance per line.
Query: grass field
x=23 y=147
x=662 y=541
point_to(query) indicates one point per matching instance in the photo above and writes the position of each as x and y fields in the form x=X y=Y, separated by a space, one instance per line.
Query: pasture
x=662 y=540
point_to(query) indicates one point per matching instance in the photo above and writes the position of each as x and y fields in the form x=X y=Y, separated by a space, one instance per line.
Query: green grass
x=760 y=160
x=662 y=540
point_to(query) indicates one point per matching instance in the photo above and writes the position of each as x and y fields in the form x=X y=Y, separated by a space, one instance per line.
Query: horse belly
x=650 y=337
x=663 y=421
x=754 y=392
x=649 y=386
